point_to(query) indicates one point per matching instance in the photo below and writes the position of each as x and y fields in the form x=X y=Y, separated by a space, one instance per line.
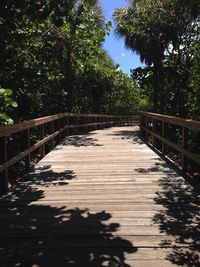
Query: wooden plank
x=82 y=258
x=97 y=205
x=84 y=241
x=80 y=262
x=8 y=130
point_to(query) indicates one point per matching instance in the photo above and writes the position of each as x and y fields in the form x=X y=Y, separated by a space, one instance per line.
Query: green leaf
x=2 y=91
x=9 y=92
x=14 y=104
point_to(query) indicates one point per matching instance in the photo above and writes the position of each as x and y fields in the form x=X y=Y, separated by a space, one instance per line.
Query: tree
x=51 y=56
x=6 y=103
x=159 y=30
x=147 y=31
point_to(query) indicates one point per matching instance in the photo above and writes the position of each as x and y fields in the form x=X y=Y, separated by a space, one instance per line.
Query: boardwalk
x=101 y=199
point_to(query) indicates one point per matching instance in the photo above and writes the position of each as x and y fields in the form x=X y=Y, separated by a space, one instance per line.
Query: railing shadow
x=33 y=233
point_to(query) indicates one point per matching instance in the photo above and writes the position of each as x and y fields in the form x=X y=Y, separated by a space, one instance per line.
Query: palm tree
x=146 y=31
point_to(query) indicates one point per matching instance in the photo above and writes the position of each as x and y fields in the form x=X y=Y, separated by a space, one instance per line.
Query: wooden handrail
x=149 y=129
x=8 y=130
x=187 y=123
x=60 y=124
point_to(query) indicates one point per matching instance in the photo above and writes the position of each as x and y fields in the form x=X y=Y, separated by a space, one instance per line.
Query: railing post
x=76 y=130
x=184 y=145
x=58 y=128
x=41 y=136
x=141 y=125
x=4 y=181
x=107 y=121
x=146 y=133
x=163 y=135
x=67 y=123
x=95 y=120
x=62 y=125
x=28 y=157
x=154 y=130
x=89 y=121
x=52 y=131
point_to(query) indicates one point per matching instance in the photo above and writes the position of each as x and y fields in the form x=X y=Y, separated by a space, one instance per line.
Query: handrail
x=187 y=123
x=58 y=126
x=152 y=131
x=36 y=122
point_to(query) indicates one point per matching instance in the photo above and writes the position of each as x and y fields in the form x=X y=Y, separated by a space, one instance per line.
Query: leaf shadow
x=39 y=234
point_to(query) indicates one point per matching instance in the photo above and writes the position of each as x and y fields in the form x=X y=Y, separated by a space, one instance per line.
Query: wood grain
x=100 y=199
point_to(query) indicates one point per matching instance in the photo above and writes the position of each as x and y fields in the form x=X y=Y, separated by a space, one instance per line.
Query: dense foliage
x=51 y=57
x=6 y=103
x=166 y=34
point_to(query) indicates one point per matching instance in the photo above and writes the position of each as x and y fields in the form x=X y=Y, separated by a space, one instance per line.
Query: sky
x=114 y=45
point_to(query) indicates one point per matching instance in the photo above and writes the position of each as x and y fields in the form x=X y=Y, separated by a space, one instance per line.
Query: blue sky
x=115 y=46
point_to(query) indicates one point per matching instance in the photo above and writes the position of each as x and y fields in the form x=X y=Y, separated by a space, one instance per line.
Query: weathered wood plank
x=102 y=199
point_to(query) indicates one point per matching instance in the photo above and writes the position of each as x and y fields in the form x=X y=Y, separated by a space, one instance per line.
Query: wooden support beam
x=28 y=144
x=52 y=131
x=4 y=181
x=154 y=130
x=41 y=137
x=163 y=135
x=184 y=146
x=146 y=132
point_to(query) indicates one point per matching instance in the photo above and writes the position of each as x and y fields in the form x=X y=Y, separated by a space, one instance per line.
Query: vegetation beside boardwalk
x=52 y=60
x=51 y=57
x=166 y=35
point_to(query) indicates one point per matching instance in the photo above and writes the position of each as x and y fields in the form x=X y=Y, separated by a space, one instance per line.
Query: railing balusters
x=146 y=133
x=154 y=130
x=52 y=131
x=41 y=137
x=184 y=145
x=4 y=181
x=155 y=135
x=58 y=127
x=163 y=135
x=28 y=144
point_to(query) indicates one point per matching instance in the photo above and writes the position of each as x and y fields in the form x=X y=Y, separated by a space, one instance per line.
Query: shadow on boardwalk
x=45 y=176
x=33 y=233
x=133 y=136
x=80 y=140
x=181 y=219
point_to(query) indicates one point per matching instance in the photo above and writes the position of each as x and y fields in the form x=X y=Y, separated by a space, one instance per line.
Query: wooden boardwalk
x=101 y=199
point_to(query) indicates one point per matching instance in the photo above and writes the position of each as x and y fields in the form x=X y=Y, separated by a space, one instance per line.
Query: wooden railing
x=19 y=141
x=159 y=130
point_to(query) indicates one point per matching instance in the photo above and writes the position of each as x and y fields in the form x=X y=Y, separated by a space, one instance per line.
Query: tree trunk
x=159 y=96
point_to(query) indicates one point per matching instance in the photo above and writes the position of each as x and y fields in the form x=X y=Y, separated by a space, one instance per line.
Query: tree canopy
x=52 y=59
x=165 y=34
